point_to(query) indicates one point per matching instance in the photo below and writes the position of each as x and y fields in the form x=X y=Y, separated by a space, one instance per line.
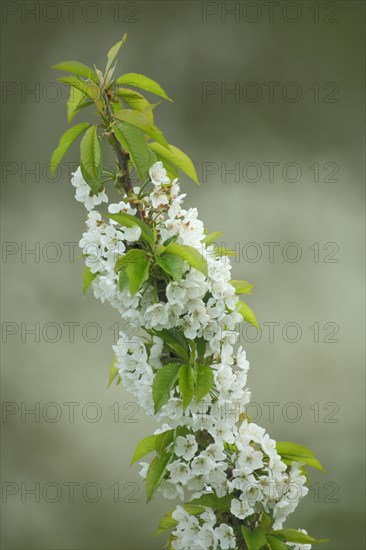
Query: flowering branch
x=152 y=260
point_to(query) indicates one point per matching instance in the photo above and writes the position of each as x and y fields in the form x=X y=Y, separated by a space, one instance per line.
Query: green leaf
x=123 y=280
x=142 y=82
x=220 y=504
x=177 y=157
x=132 y=256
x=140 y=120
x=290 y=448
x=248 y=314
x=292 y=535
x=275 y=543
x=144 y=447
x=204 y=381
x=175 y=339
x=193 y=509
x=166 y=524
x=138 y=272
x=186 y=384
x=88 y=277
x=129 y=221
x=212 y=237
x=76 y=102
x=113 y=372
x=133 y=141
x=77 y=68
x=113 y=52
x=91 y=162
x=171 y=239
x=164 y=381
x=255 y=539
x=152 y=158
x=155 y=473
x=298 y=453
x=163 y=440
x=241 y=287
x=188 y=253
x=171 y=264
x=90 y=89
x=66 y=140
x=201 y=348
x=135 y=100
x=266 y=521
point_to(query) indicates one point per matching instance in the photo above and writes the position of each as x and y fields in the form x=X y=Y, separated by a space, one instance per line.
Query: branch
x=124 y=178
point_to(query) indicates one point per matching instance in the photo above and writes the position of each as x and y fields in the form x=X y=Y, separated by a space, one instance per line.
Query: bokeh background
x=85 y=495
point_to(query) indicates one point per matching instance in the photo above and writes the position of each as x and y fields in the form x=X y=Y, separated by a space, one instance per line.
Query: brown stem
x=124 y=178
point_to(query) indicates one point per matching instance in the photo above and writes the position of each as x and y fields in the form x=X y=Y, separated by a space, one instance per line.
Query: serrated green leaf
x=90 y=89
x=133 y=141
x=266 y=521
x=204 y=381
x=136 y=101
x=247 y=314
x=298 y=453
x=77 y=101
x=143 y=448
x=77 y=68
x=241 y=287
x=142 y=82
x=171 y=239
x=212 y=237
x=275 y=543
x=88 y=278
x=193 y=509
x=221 y=504
x=292 y=535
x=132 y=256
x=140 y=120
x=255 y=539
x=166 y=524
x=123 y=280
x=201 y=348
x=186 y=384
x=113 y=52
x=188 y=253
x=91 y=162
x=175 y=339
x=290 y=448
x=129 y=221
x=171 y=264
x=65 y=142
x=164 y=381
x=163 y=440
x=113 y=373
x=176 y=157
x=312 y=462
x=155 y=473
x=138 y=272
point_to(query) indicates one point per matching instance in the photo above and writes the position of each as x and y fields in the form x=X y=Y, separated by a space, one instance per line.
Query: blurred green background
x=299 y=73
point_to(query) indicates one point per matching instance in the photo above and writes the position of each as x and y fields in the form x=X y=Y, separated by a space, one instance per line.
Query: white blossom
x=84 y=193
x=217 y=454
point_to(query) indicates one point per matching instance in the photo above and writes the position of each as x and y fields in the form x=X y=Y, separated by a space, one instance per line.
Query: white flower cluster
x=200 y=531
x=83 y=193
x=221 y=452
